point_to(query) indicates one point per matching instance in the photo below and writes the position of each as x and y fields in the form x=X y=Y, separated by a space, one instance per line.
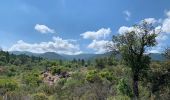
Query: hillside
x=55 y=56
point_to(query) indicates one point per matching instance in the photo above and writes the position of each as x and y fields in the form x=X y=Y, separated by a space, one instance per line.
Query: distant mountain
x=55 y=56
x=51 y=56
x=157 y=57
x=80 y=56
x=47 y=55
x=24 y=52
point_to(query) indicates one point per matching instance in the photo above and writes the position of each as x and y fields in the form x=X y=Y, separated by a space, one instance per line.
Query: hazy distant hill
x=80 y=56
x=157 y=57
x=47 y=55
x=53 y=55
x=24 y=52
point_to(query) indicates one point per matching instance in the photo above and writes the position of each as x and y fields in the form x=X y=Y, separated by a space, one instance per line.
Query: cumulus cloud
x=150 y=20
x=101 y=33
x=99 y=46
x=163 y=37
x=43 y=29
x=127 y=14
x=167 y=13
x=164 y=28
x=157 y=49
x=166 y=23
x=57 y=45
x=125 y=29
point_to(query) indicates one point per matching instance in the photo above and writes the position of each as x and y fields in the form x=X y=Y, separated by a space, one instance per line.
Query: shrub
x=31 y=78
x=16 y=96
x=40 y=96
x=107 y=75
x=7 y=85
x=124 y=88
x=92 y=76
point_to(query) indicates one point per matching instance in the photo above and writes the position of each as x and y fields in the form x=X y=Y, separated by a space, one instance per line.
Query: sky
x=76 y=26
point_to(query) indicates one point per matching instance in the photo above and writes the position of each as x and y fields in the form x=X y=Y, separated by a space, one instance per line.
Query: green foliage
x=3 y=59
x=16 y=96
x=48 y=90
x=7 y=85
x=40 y=96
x=100 y=63
x=92 y=76
x=31 y=78
x=120 y=97
x=17 y=62
x=132 y=46
x=58 y=69
x=159 y=79
x=22 y=77
x=124 y=88
x=107 y=75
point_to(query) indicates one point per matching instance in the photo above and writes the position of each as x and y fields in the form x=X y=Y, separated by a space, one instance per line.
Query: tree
x=74 y=61
x=60 y=62
x=132 y=46
x=3 y=60
x=7 y=57
x=82 y=62
x=167 y=53
x=100 y=63
x=17 y=62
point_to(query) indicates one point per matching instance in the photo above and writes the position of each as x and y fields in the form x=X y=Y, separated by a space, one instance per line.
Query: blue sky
x=75 y=26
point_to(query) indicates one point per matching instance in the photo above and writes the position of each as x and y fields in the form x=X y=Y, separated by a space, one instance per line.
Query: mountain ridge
x=56 y=56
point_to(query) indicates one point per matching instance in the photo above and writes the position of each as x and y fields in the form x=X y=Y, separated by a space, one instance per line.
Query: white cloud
x=57 y=45
x=99 y=46
x=162 y=37
x=128 y=14
x=43 y=29
x=157 y=49
x=125 y=29
x=165 y=28
x=166 y=25
x=150 y=20
x=158 y=29
x=168 y=13
x=101 y=33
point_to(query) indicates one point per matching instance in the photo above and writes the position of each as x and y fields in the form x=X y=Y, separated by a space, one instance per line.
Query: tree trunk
x=135 y=87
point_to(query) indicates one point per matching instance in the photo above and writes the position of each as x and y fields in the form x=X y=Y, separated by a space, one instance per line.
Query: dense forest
x=133 y=76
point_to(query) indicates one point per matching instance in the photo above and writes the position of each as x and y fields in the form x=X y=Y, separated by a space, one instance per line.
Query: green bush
x=124 y=88
x=16 y=96
x=107 y=75
x=7 y=85
x=40 y=96
x=92 y=76
x=31 y=78
x=49 y=90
